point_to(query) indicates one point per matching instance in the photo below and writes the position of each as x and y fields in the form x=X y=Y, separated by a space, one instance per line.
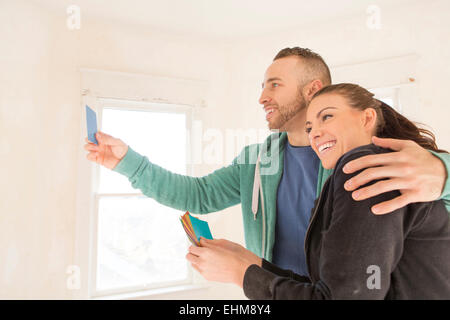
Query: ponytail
x=399 y=127
x=390 y=123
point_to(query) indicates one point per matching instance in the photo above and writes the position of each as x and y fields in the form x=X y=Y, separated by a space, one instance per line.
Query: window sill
x=152 y=293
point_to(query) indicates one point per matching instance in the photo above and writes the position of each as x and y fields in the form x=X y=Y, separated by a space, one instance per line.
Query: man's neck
x=298 y=139
x=296 y=133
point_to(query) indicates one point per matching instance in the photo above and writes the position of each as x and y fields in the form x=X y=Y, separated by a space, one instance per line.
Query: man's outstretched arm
x=213 y=192
x=419 y=175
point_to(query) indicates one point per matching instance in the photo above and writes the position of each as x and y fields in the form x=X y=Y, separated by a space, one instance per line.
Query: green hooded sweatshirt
x=252 y=179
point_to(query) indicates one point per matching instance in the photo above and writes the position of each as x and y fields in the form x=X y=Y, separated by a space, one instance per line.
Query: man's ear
x=370 y=118
x=311 y=88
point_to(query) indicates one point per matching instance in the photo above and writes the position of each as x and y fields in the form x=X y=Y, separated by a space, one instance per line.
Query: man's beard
x=287 y=112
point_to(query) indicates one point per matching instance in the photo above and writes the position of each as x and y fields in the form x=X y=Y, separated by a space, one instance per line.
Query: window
x=392 y=80
x=390 y=96
x=138 y=243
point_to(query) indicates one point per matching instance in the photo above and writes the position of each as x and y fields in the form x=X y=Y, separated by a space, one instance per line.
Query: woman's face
x=335 y=128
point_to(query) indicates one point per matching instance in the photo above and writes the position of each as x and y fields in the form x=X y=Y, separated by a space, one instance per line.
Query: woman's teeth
x=326 y=146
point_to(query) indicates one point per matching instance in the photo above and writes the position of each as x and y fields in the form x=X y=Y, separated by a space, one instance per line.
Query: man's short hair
x=315 y=66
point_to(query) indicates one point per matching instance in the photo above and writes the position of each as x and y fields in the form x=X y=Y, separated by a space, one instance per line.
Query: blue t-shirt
x=295 y=200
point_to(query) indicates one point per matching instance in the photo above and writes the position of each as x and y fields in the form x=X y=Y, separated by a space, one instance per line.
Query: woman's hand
x=222 y=260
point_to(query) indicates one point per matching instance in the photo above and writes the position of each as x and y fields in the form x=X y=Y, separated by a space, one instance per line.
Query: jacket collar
x=268 y=163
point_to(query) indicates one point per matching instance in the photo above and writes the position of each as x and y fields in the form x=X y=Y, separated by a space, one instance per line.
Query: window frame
x=132 y=105
x=389 y=92
x=401 y=77
x=140 y=88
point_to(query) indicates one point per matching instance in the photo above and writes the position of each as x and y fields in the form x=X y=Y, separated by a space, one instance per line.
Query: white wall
x=40 y=112
x=421 y=28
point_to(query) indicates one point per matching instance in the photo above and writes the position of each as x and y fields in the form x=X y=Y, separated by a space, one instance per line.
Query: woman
x=350 y=252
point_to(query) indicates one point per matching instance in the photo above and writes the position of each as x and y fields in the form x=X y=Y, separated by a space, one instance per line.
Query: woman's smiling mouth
x=324 y=147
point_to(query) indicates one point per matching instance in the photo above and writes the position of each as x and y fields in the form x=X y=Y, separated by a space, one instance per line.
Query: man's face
x=281 y=96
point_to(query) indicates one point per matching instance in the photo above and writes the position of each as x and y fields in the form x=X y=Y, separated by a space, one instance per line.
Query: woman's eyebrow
x=318 y=114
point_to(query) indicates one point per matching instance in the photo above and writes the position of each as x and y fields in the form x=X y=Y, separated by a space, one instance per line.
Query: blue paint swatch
x=201 y=228
x=91 y=124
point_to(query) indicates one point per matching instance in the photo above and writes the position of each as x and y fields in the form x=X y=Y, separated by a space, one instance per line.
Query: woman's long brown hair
x=390 y=123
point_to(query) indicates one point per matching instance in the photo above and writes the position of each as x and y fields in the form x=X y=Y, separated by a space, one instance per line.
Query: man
x=277 y=193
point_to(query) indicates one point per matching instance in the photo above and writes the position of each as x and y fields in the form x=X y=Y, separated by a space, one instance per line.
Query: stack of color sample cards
x=195 y=228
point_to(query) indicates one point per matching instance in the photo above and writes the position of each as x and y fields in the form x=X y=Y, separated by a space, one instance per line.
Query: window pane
x=161 y=137
x=139 y=242
x=388 y=96
x=388 y=101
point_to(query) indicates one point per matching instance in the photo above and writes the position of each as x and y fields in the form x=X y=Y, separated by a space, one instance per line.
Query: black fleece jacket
x=353 y=254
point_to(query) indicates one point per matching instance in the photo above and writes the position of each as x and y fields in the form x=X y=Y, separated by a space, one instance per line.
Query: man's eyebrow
x=318 y=114
x=271 y=79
